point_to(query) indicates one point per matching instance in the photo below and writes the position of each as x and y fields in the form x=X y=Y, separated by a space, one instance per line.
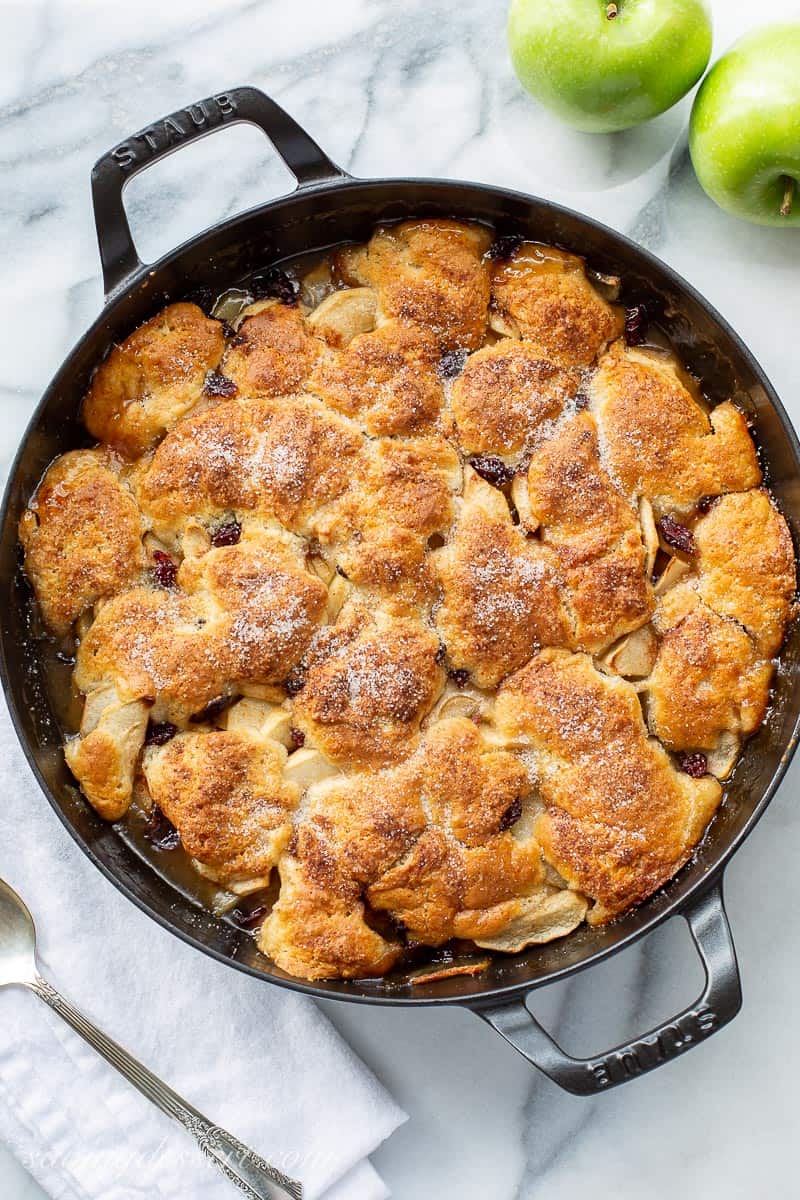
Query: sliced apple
x=343 y=315
x=308 y=766
x=262 y=719
x=502 y=324
x=723 y=759
x=338 y=591
x=522 y=502
x=675 y=570
x=633 y=656
x=649 y=534
x=241 y=887
x=104 y=755
x=541 y=917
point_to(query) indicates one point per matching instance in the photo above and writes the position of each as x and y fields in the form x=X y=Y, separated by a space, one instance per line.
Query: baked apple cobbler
x=414 y=595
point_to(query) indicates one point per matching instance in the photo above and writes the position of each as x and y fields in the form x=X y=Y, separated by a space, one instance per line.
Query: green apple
x=744 y=134
x=604 y=67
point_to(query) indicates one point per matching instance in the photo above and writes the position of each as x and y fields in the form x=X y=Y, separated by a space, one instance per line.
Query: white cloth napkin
x=262 y=1062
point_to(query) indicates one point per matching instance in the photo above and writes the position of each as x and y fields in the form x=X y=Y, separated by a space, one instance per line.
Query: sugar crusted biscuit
x=368 y=596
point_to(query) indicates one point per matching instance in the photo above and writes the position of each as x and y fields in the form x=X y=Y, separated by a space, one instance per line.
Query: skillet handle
x=719 y=1003
x=112 y=172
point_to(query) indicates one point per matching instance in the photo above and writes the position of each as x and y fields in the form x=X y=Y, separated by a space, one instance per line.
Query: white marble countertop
x=424 y=87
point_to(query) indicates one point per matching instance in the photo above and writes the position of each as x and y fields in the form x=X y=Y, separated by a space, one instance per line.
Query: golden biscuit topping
x=618 y=818
x=428 y=273
x=286 y=458
x=365 y=685
x=273 y=351
x=386 y=379
x=226 y=794
x=504 y=395
x=746 y=565
x=81 y=535
x=152 y=379
x=708 y=683
x=661 y=443
x=380 y=528
x=415 y=601
x=593 y=533
x=543 y=296
x=502 y=595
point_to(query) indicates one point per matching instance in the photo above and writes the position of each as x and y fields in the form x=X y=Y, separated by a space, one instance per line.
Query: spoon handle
x=256 y=1177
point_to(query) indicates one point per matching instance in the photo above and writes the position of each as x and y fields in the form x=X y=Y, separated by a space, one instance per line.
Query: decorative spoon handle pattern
x=251 y=1173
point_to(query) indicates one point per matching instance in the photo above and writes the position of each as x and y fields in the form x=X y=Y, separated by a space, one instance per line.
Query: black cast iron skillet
x=327 y=207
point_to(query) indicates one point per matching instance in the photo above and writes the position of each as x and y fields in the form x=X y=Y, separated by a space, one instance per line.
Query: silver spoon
x=244 y=1167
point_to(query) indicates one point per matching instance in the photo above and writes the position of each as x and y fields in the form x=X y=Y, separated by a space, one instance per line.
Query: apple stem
x=611 y=11
x=788 y=195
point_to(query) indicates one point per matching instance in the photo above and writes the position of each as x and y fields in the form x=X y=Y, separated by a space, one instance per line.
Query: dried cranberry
x=492 y=469
x=504 y=248
x=275 y=284
x=160 y=832
x=248 y=918
x=441 y=654
x=399 y=927
x=676 y=535
x=636 y=322
x=511 y=815
x=459 y=677
x=295 y=683
x=165 y=569
x=452 y=363
x=298 y=738
x=212 y=710
x=159 y=733
x=203 y=297
x=695 y=764
x=227 y=534
x=219 y=385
